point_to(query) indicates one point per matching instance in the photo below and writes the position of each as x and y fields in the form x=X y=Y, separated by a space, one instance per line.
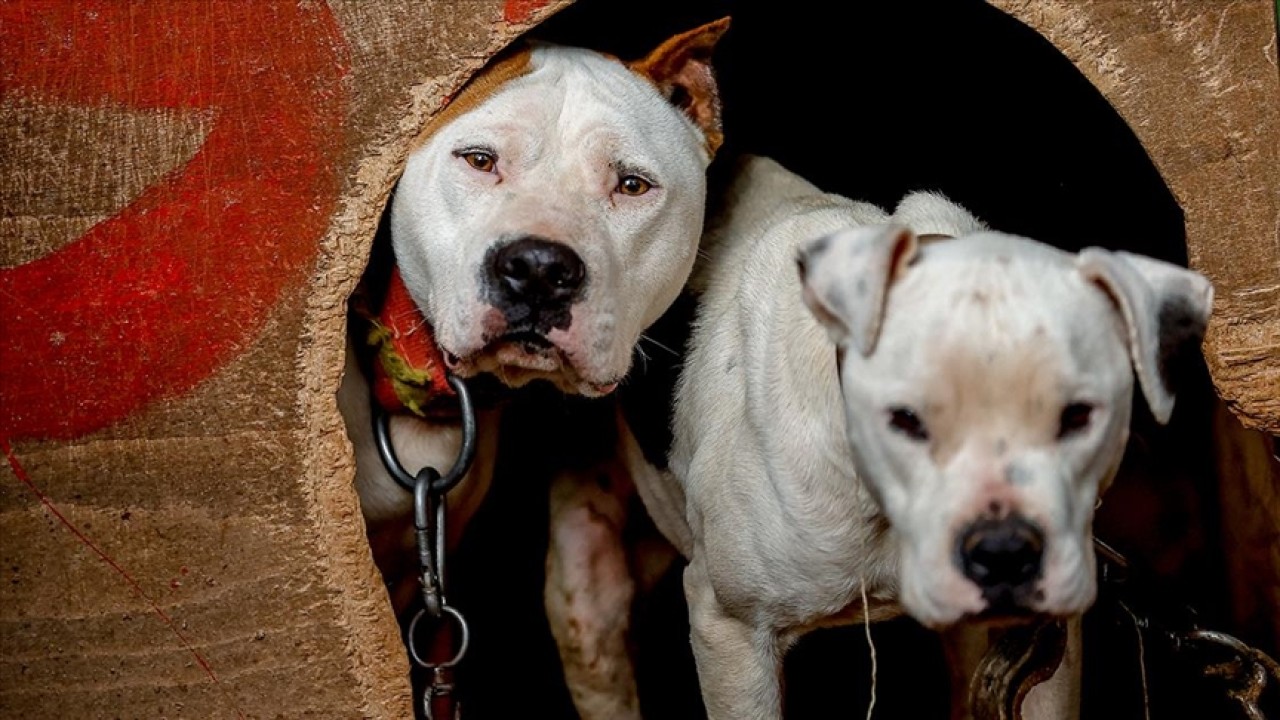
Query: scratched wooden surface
x=1198 y=83
x=187 y=195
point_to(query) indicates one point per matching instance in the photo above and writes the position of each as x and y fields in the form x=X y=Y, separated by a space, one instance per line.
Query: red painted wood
x=519 y=11
x=152 y=301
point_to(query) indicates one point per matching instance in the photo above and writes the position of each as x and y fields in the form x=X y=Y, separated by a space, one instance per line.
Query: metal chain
x=1250 y=669
x=1244 y=671
x=466 y=454
x=430 y=516
x=1027 y=654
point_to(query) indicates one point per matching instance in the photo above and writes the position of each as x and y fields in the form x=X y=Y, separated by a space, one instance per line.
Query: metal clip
x=430 y=490
x=428 y=523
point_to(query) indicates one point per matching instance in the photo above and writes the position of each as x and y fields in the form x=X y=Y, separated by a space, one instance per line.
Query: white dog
x=926 y=423
x=549 y=215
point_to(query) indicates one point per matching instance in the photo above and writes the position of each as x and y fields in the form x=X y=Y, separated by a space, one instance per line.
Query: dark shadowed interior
x=870 y=100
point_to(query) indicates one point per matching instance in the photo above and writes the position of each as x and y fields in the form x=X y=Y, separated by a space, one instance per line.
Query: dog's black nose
x=537 y=272
x=1002 y=557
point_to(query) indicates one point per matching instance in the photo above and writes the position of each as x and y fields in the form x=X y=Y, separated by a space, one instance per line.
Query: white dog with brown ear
x=926 y=423
x=549 y=215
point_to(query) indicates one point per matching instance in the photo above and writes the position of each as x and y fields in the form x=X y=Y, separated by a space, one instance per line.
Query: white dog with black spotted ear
x=928 y=422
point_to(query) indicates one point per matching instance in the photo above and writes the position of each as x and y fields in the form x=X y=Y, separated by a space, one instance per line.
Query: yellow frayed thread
x=414 y=387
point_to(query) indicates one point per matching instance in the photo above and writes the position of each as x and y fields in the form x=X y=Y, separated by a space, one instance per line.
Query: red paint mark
x=21 y=473
x=518 y=12
x=152 y=301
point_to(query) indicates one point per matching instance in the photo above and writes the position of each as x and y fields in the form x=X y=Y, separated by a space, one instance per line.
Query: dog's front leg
x=738 y=665
x=589 y=591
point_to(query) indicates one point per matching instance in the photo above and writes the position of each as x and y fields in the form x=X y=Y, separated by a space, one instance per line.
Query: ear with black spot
x=1165 y=310
x=681 y=69
x=847 y=276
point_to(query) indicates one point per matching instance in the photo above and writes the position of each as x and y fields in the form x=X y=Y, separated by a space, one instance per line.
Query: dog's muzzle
x=1002 y=556
x=534 y=282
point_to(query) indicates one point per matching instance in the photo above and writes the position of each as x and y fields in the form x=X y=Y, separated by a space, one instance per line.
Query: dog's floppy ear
x=1165 y=309
x=846 y=277
x=681 y=68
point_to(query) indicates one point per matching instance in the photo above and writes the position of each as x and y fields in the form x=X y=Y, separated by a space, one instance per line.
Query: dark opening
x=870 y=100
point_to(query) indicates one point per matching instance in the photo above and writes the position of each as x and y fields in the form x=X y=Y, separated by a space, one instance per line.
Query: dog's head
x=553 y=212
x=988 y=384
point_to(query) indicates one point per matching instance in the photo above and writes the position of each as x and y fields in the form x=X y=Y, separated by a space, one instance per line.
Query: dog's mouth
x=526 y=350
x=522 y=356
x=1004 y=615
x=529 y=341
x=518 y=350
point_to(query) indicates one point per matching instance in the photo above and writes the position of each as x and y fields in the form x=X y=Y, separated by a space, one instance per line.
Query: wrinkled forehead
x=999 y=319
x=578 y=99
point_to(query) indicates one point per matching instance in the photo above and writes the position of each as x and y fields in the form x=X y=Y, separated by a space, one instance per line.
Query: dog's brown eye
x=908 y=423
x=633 y=185
x=480 y=160
x=1075 y=417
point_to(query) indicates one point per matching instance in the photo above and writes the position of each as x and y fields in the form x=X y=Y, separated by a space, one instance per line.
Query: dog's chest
x=803 y=539
x=838 y=541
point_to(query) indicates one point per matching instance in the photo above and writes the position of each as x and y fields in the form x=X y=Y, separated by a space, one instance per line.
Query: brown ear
x=681 y=68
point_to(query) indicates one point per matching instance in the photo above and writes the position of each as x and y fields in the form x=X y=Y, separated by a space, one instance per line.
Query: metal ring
x=466 y=454
x=462 y=643
x=382 y=437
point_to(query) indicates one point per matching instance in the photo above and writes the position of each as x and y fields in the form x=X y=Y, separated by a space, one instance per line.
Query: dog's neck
x=407 y=370
x=405 y=366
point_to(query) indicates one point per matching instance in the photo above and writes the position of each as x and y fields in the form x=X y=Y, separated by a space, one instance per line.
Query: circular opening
x=870 y=101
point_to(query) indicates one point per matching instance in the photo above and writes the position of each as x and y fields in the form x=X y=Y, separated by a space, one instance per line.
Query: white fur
x=787 y=469
x=563 y=133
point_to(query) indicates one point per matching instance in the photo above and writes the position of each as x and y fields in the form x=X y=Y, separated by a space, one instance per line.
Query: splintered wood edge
x=1208 y=117
x=376 y=653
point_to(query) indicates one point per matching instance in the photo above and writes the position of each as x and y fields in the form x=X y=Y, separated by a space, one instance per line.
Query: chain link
x=430 y=516
x=1244 y=672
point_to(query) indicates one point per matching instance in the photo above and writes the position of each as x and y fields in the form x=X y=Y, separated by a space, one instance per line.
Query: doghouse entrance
x=871 y=103
x=192 y=188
